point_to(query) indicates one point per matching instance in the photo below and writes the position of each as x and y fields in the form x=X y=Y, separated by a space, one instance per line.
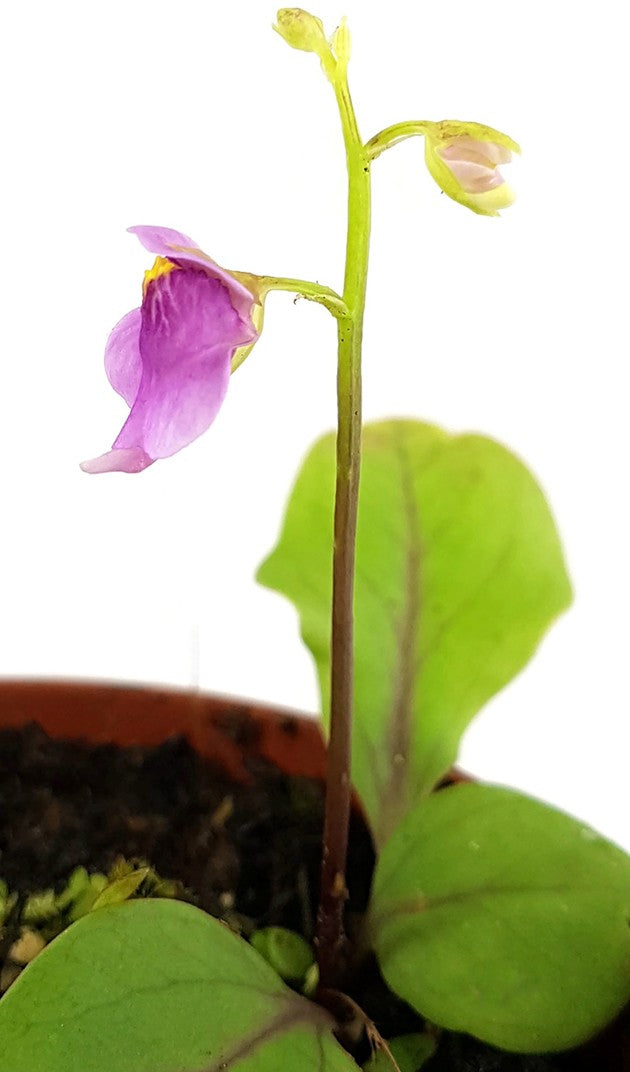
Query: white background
x=197 y=116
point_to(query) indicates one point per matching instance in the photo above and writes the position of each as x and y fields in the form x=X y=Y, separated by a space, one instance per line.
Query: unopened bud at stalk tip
x=301 y=30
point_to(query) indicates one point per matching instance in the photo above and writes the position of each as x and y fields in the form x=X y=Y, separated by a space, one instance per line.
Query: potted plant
x=480 y=928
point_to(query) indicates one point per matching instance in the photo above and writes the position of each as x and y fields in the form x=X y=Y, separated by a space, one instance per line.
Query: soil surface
x=249 y=854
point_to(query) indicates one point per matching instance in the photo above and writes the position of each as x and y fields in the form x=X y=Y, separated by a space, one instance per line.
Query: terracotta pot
x=228 y=731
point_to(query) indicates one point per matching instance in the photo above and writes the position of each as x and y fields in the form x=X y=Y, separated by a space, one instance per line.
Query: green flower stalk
x=463 y=159
x=302 y=31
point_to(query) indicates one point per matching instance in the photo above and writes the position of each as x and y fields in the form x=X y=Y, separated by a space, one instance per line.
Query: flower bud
x=463 y=159
x=301 y=30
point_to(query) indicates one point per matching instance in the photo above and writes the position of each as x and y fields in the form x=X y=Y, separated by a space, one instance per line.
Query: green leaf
x=288 y=953
x=499 y=916
x=121 y=889
x=459 y=574
x=158 y=986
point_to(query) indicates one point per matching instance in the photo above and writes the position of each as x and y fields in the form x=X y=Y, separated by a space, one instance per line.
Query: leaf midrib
x=289 y=1018
x=393 y=797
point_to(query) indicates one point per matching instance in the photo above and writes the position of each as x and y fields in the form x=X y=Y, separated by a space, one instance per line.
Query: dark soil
x=250 y=854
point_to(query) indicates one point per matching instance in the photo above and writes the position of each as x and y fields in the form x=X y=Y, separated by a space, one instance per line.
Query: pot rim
x=227 y=729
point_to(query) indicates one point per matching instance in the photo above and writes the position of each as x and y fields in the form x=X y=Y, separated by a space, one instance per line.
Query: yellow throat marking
x=161 y=267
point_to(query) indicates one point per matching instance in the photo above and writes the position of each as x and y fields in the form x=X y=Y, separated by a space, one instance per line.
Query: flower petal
x=118 y=461
x=123 y=364
x=162 y=240
x=190 y=330
x=486 y=202
x=475 y=178
x=174 y=245
x=477 y=152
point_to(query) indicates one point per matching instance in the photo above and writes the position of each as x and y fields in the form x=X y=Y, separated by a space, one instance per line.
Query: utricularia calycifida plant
x=490 y=913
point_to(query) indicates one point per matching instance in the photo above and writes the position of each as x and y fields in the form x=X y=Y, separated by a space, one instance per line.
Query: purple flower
x=171 y=358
